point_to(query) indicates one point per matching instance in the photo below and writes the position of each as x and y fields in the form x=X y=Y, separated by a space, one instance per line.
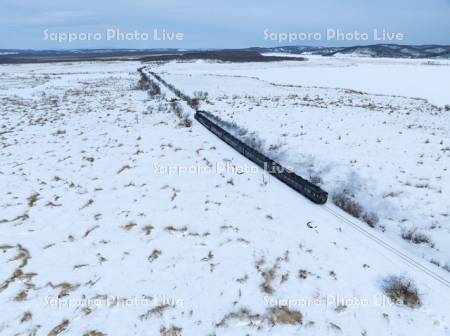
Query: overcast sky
x=217 y=24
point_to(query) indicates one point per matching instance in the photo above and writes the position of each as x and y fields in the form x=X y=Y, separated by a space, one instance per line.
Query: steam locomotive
x=304 y=187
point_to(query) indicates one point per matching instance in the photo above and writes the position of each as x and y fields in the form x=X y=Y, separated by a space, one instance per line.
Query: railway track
x=403 y=255
x=411 y=261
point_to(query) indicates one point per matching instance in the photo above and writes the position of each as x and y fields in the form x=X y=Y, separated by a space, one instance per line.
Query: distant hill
x=376 y=50
x=41 y=56
x=231 y=55
x=227 y=55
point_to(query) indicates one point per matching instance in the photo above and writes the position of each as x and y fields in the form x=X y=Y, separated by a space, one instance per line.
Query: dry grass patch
x=172 y=331
x=88 y=231
x=18 y=275
x=94 y=333
x=66 y=288
x=60 y=328
x=22 y=218
x=172 y=229
x=148 y=230
x=283 y=315
x=21 y=296
x=129 y=226
x=87 y=204
x=243 y=315
x=32 y=200
x=123 y=168
x=156 y=311
x=270 y=274
x=273 y=316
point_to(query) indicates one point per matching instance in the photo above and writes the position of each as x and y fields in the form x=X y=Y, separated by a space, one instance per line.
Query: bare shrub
x=250 y=139
x=27 y=316
x=201 y=95
x=162 y=107
x=401 y=290
x=177 y=109
x=141 y=84
x=154 y=89
x=255 y=142
x=185 y=120
x=231 y=127
x=415 y=237
x=349 y=205
x=176 y=91
x=315 y=179
x=146 y=84
x=194 y=103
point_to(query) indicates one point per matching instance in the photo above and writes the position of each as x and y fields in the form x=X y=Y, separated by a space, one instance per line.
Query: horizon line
x=228 y=48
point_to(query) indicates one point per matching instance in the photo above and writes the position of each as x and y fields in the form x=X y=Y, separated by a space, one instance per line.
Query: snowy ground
x=99 y=237
x=391 y=153
x=426 y=79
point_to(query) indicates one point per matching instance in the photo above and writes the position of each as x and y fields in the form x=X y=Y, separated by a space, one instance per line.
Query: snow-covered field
x=428 y=79
x=390 y=153
x=115 y=219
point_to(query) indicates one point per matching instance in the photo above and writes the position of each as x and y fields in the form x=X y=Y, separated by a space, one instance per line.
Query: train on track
x=304 y=187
